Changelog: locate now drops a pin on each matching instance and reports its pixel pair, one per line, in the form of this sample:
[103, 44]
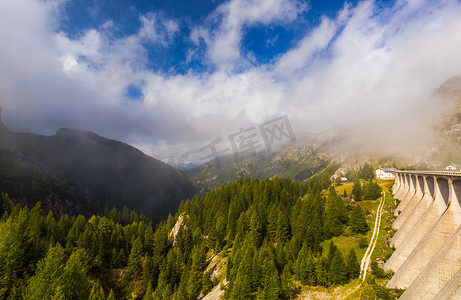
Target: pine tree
[111, 295]
[302, 269]
[353, 266]
[44, 284]
[207, 284]
[74, 282]
[242, 286]
[196, 271]
[272, 223]
[366, 172]
[321, 270]
[286, 283]
[147, 273]
[338, 269]
[97, 293]
[5, 204]
[332, 253]
[335, 215]
[59, 295]
[256, 228]
[18, 246]
[163, 289]
[311, 271]
[357, 191]
[358, 221]
[148, 293]
[273, 289]
[134, 261]
[181, 293]
[371, 190]
[283, 228]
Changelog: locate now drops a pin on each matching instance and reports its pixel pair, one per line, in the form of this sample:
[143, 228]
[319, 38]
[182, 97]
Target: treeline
[366, 172]
[275, 236]
[369, 191]
[271, 232]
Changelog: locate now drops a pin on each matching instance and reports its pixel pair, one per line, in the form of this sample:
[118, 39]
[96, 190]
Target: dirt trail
[374, 238]
[371, 246]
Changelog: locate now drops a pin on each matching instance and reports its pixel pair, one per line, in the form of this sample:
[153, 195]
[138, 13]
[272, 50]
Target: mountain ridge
[81, 171]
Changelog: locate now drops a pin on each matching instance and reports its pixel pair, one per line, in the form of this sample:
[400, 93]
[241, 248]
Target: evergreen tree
[74, 281]
[273, 288]
[366, 172]
[134, 261]
[338, 269]
[322, 270]
[147, 272]
[111, 295]
[353, 265]
[148, 293]
[5, 204]
[242, 286]
[283, 228]
[274, 237]
[286, 283]
[59, 295]
[311, 271]
[19, 247]
[43, 284]
[207, 284]
[196, 271]
[357, 191]
[335, 215]
[371, 190]
[272, 223]
[256, 228]
[331, 253]
[97, 293]
[358, 221]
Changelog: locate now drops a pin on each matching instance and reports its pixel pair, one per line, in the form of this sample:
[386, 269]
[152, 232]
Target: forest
[268, 233]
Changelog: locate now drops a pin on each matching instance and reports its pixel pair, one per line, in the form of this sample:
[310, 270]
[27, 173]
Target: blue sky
[170, 76]
[264, 42]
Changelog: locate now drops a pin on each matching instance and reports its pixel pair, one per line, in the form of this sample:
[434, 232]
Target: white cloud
[157, 29]
[224, 41]
[363, 68]
[314, 42]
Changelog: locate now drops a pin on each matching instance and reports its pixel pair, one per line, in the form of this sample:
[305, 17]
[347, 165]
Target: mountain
[341, 150]
[448, 128]
[76, 171]
[298, 161]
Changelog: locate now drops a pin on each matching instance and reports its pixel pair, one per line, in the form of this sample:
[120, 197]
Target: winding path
[374, 238]
[371, 246]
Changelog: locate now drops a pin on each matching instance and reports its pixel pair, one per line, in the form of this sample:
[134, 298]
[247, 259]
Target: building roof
[392, 170]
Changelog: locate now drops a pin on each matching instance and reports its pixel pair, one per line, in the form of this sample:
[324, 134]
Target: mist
[370, 70]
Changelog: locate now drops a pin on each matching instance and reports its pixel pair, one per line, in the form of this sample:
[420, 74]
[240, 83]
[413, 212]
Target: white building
[386, 173]
[450, 168]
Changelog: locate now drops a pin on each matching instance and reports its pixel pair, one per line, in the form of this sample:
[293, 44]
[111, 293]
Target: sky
[169, 77]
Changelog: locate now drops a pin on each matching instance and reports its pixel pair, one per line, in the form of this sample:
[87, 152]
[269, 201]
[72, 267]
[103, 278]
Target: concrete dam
[427, 259]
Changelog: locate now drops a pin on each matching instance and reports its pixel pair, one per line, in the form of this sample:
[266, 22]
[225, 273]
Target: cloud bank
[368, 67]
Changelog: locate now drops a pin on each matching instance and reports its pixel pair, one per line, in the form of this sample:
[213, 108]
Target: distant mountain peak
[450, 87]
[76, 133]
[80, 171]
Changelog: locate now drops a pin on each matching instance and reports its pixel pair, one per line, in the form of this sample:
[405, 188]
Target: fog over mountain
[170, 83]
[78, 172]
